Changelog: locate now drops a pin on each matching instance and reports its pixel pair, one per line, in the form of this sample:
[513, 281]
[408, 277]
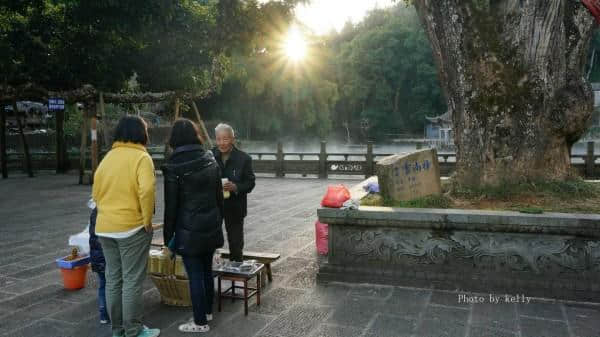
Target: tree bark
[513, 75]
[28, 166]
[3, 156]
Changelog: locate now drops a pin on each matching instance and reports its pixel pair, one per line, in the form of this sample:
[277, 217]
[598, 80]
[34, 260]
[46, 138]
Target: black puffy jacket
[193, 201]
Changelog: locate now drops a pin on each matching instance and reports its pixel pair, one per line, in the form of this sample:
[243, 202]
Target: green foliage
[73, 120]
[379, 73]
[171, 45]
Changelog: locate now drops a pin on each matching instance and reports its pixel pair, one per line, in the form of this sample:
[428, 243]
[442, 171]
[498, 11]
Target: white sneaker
[192, 327]
[209, 317]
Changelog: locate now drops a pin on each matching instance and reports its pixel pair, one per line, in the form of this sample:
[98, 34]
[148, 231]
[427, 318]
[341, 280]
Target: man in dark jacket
[236, 166]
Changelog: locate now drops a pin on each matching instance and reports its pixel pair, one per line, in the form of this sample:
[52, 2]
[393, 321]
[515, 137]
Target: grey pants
[126, 267]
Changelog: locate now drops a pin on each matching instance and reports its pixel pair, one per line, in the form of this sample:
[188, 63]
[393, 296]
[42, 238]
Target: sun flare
[295, 45]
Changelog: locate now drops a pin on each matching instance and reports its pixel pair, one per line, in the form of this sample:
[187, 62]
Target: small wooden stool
[239, 277]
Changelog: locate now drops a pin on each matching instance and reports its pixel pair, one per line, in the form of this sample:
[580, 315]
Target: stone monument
[409, 176]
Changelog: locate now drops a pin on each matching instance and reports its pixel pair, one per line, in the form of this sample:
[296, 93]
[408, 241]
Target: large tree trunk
[513, 75]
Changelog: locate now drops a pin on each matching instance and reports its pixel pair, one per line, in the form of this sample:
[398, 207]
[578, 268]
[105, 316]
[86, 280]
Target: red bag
[336, 196]
[322, 236]
[594, 7]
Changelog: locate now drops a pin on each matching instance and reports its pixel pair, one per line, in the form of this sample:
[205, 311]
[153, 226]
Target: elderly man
[236, 166]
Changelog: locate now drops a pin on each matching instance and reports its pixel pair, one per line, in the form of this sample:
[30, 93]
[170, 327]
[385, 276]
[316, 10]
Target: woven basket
[170, 279]
[173, 291]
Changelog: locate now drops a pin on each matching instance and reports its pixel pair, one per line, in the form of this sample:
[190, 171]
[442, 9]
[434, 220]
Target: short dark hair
[131, 129]
[184, 132]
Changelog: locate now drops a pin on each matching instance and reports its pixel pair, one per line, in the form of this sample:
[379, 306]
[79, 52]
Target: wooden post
[370, 169]
[205, 134]
[323, 161]
[589, 161]
[83, 146]
[24, 141]
[3, 156]
[279, 170]
[105, 141]
[177, 107]
[167, 151]
[61, 158]
[94, 139]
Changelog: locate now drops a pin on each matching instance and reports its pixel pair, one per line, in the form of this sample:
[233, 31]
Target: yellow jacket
[124, 188]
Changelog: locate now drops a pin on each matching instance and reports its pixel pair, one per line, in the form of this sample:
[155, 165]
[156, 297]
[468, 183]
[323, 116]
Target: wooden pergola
[94, 102]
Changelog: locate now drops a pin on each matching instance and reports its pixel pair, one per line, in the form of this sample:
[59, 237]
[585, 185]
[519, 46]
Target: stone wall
[545, 255]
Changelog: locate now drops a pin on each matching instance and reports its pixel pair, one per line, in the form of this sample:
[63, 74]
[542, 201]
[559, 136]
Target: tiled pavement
[37, 215]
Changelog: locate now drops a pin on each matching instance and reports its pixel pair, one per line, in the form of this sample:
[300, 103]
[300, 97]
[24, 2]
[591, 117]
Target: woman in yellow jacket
[124, 191]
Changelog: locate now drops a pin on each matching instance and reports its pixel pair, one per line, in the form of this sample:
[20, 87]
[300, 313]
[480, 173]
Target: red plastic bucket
[74, 279]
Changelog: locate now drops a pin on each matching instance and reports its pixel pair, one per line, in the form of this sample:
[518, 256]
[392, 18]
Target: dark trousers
[202, 286]
[102, 296]
[235, 237]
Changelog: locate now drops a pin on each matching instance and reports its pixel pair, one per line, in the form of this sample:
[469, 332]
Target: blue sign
[56, 104]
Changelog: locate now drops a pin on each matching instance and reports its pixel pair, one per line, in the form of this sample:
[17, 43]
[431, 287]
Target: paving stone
[537, 327]
[538, 309]
[446, 314]
[7, 256]
[448, 299]
[277, 301]
[76, 312]
[23, 286]
[6, 296]
[584, 320]
[91, 327]
[309, 252]
[356, 312]
[327, 330]
[44, 328]
[408, 303]
[77, 296]
[501, 316]
[290, 266]
[391, 326]
[31, 272]
[327, 294]
[377, 292]
[297, 322]
[304, 279]
[29, 298]
[6, 281]
[429, 328]
[237, 326]
[477, 331]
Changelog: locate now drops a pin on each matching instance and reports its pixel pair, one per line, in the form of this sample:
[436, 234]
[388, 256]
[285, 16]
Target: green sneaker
[147, 332]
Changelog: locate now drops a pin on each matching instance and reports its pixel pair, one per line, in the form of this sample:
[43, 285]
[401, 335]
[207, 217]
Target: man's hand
[148, 228]
[230, 187]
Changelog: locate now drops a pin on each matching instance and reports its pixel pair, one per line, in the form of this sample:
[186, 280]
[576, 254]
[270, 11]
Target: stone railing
[321, 164]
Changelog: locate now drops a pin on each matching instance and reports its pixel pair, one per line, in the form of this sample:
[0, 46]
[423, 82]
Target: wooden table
[264, 258]
[234, 277]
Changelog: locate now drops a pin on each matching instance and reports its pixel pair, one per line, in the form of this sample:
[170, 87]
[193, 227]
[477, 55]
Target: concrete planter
[543, 255]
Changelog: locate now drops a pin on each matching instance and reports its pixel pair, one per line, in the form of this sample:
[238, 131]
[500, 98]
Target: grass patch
[569, 189]
[534, 197]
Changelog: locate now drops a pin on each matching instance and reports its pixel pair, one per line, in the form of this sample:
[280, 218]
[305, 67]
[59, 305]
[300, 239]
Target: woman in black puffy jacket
[193, 215]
